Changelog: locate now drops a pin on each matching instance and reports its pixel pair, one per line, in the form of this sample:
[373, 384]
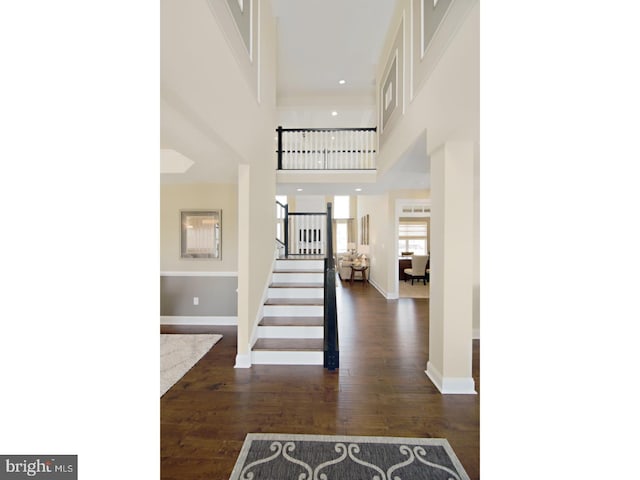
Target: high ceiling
[319, 43]
[323, 41]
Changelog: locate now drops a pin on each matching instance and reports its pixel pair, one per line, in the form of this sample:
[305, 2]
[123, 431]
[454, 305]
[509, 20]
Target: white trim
[410, 55]
[258, 53]
[393, 59]
[243, 361]
[290, 331]
[375, 285]
[250, 31]
[279, 357]
[260, 312]
[197, 320]
[423, 47]
[450, 385]
[404, 61]
[400, 203]
[198, 274]
[476, 334]
[254, 336]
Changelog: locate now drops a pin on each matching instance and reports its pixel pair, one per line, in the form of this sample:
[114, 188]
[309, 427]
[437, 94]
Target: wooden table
[363, 272]
[403, 263]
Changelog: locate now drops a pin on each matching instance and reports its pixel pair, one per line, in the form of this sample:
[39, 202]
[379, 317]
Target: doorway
[412, 232]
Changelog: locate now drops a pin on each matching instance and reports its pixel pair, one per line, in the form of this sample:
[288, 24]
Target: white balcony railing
[327, 148]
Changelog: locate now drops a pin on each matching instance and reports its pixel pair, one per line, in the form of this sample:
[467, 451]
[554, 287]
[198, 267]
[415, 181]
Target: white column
[243, 358]
[452, 262]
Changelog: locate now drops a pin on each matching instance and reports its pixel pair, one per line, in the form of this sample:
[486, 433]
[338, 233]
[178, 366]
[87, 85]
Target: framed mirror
[201, 234]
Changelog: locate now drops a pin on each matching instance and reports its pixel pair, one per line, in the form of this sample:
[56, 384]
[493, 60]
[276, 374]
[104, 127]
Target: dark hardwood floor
[380, 389]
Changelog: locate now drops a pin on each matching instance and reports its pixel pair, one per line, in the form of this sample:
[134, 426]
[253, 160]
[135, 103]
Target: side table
[363, 272]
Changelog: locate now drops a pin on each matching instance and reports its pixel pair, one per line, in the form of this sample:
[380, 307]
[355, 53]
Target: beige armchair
[343, 265]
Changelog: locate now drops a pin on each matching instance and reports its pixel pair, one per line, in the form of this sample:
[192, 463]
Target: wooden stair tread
[289, 344]
[295, 301]
[292, 321]
[296, 285]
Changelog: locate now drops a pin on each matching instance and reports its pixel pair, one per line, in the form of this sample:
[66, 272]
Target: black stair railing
[300, 233]
[309, 239]
[327, 148]
[331, 349]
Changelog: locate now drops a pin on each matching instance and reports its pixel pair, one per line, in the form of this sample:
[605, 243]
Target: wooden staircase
[291, 331]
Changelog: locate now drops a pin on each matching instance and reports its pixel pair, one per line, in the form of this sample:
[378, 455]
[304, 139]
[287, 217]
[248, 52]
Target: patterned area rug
[180, 352]
[311, 457]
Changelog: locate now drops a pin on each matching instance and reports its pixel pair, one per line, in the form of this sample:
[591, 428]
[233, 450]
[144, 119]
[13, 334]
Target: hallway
[381, 389]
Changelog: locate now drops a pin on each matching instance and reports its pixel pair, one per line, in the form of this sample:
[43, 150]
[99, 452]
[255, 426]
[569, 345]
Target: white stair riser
[296, 292]
[299, 264]
[290, 332]
[282, 277]
[293, 310]
[272, 357]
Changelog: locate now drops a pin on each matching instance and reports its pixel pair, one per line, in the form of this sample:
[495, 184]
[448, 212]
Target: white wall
[256, 128]
[441, 96]
[220, 93]
[440, 90]
[174, 198]
[446, 102]
[310, 203]
[380, 237]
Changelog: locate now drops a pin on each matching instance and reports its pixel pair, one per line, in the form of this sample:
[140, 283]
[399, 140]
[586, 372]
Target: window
[341, 206]
[412, 237]
[342, 222]
[342, 237]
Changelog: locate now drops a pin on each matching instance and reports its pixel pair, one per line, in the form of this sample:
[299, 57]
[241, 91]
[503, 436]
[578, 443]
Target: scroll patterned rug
[179, 353]
[312, 457]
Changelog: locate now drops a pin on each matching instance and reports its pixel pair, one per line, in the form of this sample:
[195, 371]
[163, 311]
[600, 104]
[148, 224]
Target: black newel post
[279, 130]
[331, 348]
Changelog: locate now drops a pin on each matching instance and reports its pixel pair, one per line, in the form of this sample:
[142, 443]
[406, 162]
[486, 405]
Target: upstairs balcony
[327, 155]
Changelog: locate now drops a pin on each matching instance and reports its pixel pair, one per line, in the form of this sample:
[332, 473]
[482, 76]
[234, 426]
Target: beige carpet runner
[179, 353]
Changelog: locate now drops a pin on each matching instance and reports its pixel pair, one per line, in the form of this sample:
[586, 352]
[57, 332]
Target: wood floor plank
[292, 321]
[380, 389]
[294, 301]
[286, 344]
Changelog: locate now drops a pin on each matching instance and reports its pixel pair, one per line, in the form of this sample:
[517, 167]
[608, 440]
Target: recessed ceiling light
[342, 82]
[299, 189]
[358, 189]
[334, 113]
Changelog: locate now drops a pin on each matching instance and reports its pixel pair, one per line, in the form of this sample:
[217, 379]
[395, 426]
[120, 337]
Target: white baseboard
[243, 360]
[476, 334]
[197, 320]
[375, 285]
[450, 385]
